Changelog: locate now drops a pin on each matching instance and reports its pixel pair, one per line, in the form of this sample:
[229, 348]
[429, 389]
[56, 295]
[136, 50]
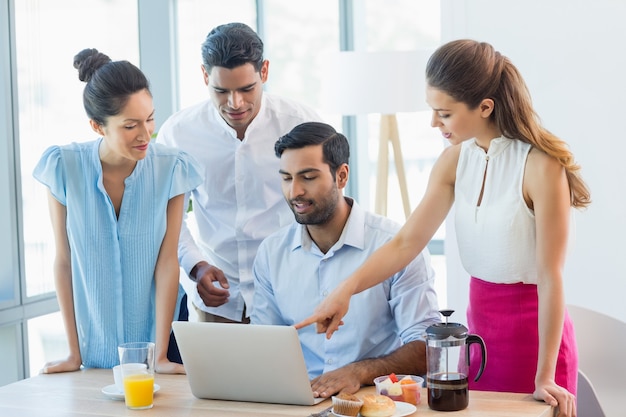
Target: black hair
[109, 83]
[232, 45]
[335, 146]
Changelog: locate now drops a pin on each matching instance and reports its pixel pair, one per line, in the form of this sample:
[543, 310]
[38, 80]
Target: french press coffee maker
[447, 358]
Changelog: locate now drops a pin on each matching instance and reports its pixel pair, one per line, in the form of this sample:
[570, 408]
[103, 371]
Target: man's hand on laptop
[344, 379]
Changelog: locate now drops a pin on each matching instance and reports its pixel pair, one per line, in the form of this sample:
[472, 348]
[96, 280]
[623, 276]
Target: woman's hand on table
[557, 396]
[166, 367]
[69, 364]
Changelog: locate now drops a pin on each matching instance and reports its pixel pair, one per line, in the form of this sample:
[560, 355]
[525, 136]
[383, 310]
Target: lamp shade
[375, 82]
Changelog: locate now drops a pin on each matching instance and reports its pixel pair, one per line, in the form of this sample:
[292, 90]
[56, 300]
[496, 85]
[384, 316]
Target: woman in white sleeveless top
[514, 184]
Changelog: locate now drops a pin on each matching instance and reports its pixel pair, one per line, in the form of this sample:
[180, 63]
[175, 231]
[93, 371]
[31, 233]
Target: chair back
[601, 341]
[587, 399]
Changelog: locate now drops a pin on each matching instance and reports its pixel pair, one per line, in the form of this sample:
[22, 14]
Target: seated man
[296, 267]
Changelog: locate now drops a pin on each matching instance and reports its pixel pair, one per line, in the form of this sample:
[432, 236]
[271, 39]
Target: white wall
[572, 55]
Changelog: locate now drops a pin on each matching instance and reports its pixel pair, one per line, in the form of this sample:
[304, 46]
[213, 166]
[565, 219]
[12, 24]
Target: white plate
[402, 409]
[112, 392]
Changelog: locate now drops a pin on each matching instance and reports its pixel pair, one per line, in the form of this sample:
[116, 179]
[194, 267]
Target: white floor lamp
[379, 82]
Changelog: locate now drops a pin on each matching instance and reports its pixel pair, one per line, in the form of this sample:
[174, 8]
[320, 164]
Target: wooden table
[79, 394]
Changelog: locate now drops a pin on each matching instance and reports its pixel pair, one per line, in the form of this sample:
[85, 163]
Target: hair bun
[88, 61]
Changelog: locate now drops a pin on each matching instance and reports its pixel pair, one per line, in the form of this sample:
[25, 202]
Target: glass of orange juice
[138, 380]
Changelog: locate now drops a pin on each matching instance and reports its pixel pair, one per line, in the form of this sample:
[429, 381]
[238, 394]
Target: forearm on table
[166, 280]
[65, 297]
[62, 269]
[408, 359]
[550, 321]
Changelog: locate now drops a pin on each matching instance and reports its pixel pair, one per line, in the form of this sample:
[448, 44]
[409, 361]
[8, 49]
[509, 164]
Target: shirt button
[329, 361]
[325, 293]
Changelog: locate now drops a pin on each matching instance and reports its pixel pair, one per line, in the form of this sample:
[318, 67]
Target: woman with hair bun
[116, 206]
[513, 184]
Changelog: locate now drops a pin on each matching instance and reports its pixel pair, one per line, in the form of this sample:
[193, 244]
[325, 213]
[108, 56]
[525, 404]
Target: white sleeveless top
[497, 240]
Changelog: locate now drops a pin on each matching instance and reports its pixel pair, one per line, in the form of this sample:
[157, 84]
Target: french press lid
[445, 330]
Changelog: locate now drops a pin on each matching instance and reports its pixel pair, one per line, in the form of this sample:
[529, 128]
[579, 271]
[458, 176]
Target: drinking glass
[138, 380]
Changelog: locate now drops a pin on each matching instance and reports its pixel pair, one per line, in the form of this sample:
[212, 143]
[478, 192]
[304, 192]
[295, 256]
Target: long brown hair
[470, 71]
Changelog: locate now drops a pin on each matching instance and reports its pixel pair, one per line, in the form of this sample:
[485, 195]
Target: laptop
[244, 362]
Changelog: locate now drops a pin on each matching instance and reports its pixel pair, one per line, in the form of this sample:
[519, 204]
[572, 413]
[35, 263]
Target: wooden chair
[601, 341]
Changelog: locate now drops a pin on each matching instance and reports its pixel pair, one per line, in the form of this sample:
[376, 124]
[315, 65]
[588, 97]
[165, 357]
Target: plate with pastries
[370, 405]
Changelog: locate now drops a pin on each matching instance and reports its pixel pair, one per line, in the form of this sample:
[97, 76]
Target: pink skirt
[506, 317]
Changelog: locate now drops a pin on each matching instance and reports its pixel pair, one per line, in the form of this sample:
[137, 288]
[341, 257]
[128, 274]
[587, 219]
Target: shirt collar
[353, 233]
[95, 155]
[259, 120]
[496, 146]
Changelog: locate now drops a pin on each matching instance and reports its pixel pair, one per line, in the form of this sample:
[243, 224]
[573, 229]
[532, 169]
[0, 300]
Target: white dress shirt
[240, 202]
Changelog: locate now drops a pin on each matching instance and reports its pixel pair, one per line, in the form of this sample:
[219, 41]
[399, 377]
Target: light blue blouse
[113, 259]
[292, 276]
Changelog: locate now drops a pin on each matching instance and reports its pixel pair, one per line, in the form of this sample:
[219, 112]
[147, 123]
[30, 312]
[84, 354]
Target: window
[297, 35]
[388, 29]
[195, 19]
[399, 26]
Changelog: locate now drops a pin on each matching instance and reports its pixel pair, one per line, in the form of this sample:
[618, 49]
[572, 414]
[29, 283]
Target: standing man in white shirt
[240, 203]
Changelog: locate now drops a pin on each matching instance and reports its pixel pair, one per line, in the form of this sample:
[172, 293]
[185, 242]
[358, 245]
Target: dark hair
[335, 147]
[109, 83]
[232, 45]
[471, 71]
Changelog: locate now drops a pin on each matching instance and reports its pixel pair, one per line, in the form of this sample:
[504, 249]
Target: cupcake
[346, 404]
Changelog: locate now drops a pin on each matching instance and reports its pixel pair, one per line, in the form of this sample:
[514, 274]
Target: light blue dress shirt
[113, 259]
[292, 276]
